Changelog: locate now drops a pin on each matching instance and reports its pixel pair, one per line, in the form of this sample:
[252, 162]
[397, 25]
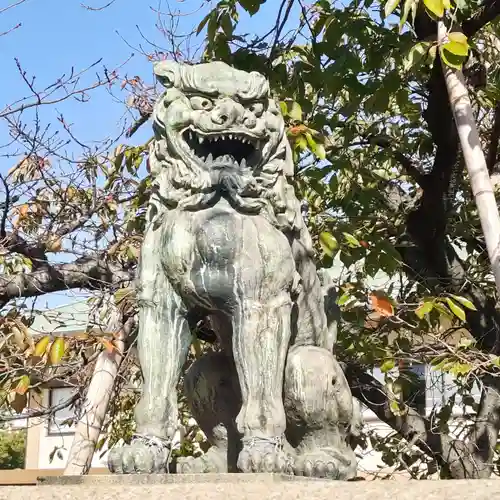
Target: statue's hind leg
[320, 414]
[212, 390]
[163, 341]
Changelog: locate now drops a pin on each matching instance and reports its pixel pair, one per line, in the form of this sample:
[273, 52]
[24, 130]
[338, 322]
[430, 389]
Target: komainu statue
[226, 242]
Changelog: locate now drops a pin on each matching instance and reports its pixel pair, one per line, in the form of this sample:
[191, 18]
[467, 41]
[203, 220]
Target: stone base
[156, 479]
[243, 486]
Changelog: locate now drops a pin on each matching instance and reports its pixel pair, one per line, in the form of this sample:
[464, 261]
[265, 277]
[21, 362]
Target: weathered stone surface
[136, 479]
[226, 245]
[252, 487]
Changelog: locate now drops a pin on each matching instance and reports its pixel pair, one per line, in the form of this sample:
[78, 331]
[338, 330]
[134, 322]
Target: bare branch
[44, 412]
[111, 2]
[86, 272]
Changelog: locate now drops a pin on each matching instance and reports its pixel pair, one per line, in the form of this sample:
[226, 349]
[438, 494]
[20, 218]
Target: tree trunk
[475, 160]
[96, 402]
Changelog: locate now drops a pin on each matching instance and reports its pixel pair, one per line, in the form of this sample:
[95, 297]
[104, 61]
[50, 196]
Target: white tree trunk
[475, 161]
[96, 404]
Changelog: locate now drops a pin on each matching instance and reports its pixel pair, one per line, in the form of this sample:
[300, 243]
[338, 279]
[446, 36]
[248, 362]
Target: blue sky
[57, 35]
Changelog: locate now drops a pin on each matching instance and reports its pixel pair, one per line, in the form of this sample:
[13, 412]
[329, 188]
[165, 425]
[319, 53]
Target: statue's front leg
[261, 334]
[163, 341]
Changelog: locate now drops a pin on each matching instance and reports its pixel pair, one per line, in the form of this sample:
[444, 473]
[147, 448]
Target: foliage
[382, 179]
[12, 449]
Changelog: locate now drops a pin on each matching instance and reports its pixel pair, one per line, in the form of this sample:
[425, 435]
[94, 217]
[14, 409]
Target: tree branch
[86, 272]
[484, 15]
[458, 459]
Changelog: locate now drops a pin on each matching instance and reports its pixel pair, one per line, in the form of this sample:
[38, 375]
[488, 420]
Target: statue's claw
[145, 455]
[264, 455]
[326, 464]
[214, 461]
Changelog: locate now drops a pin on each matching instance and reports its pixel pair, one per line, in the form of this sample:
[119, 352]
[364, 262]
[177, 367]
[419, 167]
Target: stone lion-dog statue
[226, 241]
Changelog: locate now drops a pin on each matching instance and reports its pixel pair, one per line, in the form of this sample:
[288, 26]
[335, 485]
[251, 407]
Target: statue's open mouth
[231, 149]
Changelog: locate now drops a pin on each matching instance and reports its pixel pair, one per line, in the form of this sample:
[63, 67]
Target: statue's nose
[227, 112]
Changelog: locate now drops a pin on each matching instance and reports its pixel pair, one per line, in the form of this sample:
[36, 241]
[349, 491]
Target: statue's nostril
[224, 118]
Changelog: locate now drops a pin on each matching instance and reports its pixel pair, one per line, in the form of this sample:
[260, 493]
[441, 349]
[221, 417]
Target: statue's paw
[139, 457]
[214, 461]
[264, 456]
[327, 464]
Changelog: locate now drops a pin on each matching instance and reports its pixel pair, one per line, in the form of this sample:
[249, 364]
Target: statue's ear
[167, 73]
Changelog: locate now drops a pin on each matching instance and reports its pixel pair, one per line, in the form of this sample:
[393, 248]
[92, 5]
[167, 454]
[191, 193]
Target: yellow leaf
[41, 346]
[457, 37]
[435, 6]
[424, 309]
[457, 44]
[110, 347]
[328, 243]
[57, 350]
[53, 244]
[23, 385]
[382, 305]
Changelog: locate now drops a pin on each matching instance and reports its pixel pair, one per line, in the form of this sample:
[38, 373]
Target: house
[49, 439]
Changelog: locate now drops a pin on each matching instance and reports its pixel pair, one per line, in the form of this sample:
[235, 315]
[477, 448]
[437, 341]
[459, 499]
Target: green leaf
[295, 112]
[435, 6]
[390, 6]
[416, 55]
[424, 309]
[204, 21]
[320, 151]
[458, 369]
[465, 302]
[452, 60]
[344, 298]
[456, 309]
[251, 6]
[351, 240]
[328, 243]
[387, 365]
[301, 142]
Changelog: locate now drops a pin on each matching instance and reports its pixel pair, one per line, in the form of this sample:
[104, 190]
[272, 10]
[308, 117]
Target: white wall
[57, 436]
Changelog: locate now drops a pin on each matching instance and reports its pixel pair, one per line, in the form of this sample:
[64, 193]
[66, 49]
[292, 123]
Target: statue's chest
[213, 249]
[212, 237]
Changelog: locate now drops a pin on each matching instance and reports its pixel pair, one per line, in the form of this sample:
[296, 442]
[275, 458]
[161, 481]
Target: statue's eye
[257, 108]
[199, 103]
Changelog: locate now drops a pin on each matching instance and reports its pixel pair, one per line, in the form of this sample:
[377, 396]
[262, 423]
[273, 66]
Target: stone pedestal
[244, 486]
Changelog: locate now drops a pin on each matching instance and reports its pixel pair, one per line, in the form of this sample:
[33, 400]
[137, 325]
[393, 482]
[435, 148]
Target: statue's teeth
[200, 139]
[210, 158]
[243, 163]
